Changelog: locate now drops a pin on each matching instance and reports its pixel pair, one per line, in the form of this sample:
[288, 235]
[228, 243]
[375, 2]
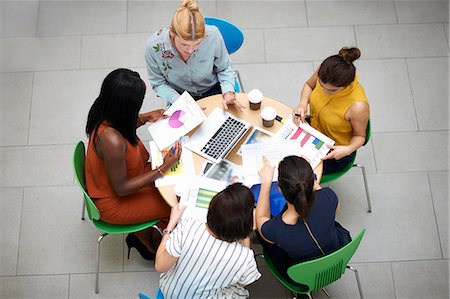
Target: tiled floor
[56, 53]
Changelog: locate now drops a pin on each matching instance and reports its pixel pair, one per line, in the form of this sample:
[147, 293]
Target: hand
[301, 111]
[152, 116]
[175, 215]
[266, 172]
[172, 156]
[229, 98]
[338, 152]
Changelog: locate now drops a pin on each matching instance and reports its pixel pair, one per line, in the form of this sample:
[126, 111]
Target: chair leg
[98, 261]
[83, 210]
[357, 280]
[158, 229]
[326, 292]
[239, 80]
[363, 169]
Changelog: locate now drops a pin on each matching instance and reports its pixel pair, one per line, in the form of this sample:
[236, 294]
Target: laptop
[218, 134]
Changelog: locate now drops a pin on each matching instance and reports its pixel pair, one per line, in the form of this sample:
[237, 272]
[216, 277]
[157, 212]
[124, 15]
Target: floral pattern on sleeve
[166, 55]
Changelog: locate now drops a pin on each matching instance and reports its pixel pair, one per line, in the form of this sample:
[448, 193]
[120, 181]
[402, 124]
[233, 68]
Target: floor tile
[415, 151]
[391, 41]
[252, 50]
[372, 275]
[66, 244]
[49, 287]
[114, 285]
[273, 14]
[422, 11]
[36, 165]
[81, 17]
[329, 13]
[429, 82]
[10, 212]
[48, 53]
[271, 79]
[287, 45]
[150, 16]
[387, 87]
[267, 286]
[16, 99]
[366, 158]
[77, 96]
[421, 279]
[439, 181]
[392, 231]
[113, 51]
[19, 18]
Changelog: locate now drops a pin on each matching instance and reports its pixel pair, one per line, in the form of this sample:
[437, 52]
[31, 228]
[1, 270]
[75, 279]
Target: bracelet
[166, 232]
[159, 171]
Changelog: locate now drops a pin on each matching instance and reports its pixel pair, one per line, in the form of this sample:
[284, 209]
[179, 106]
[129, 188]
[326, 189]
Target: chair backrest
[144, 296]
[159, 295]
[368, 132]
[79, 159]
[232, 35]
[319, 273]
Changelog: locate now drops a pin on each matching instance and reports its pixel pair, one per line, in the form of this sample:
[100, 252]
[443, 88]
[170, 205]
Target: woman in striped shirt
[211, 260]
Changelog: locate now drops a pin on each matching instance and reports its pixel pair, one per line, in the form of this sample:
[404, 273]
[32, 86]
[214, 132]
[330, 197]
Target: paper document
[225, 171]
[184, 115]
[314, 144]
[275, 151]
[197, 196]
[257, 135]
[177, 172]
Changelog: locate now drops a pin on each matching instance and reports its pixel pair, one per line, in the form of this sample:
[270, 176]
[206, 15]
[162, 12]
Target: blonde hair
[188, 22]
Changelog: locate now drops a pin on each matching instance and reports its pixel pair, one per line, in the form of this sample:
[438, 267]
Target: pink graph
[174, 120]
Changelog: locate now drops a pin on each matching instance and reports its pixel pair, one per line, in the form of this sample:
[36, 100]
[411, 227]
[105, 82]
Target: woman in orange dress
[118, 177]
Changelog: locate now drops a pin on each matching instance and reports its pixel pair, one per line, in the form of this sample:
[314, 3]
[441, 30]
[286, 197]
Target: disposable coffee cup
[268, 116]
[255, 98]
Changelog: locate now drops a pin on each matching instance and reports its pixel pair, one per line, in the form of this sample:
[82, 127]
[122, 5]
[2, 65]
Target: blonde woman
[189, 55]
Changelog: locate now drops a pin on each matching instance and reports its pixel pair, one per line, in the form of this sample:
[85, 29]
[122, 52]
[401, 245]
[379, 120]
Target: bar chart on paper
[204, 197]
[314, 145]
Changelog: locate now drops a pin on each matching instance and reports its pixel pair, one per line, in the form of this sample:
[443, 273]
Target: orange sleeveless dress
[142, 206]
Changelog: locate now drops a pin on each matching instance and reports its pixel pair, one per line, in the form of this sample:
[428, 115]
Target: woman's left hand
[152, 116]
[338, 152]
[229, 98]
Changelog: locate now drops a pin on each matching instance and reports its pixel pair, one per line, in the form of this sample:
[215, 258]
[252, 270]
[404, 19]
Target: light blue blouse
[170, 76]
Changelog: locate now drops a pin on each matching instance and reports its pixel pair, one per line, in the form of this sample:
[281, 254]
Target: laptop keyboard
[223, 137]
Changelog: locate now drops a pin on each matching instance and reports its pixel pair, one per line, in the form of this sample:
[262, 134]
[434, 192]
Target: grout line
[446, 36]
[20, 231]
[393, 279]
[354, 35]
[306, 13]
[31, 108]
[38, 18]
[412, 95]
[435, 216]
[396, 13]
[68, 289]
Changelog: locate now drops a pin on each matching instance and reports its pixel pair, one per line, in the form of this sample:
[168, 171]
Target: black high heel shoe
[133, 241]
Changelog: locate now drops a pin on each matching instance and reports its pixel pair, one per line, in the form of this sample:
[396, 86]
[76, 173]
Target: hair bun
[349, 54]
[190, 4]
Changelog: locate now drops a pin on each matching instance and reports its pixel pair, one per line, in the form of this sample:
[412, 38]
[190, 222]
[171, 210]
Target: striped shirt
[207, 267]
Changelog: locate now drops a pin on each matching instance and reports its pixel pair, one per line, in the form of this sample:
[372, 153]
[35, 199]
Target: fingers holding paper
[266, 172]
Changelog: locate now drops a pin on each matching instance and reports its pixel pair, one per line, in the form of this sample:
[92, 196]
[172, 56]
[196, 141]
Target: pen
[173, 150]
[306, 116]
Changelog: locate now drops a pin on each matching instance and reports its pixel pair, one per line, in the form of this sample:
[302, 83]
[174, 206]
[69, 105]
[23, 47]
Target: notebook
[218, 134]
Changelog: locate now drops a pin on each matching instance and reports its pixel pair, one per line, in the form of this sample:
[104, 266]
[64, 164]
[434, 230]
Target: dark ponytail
[296, 181]
[339, 70]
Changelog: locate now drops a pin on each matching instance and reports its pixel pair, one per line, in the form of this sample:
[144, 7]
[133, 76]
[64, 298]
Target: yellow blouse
[328, 110]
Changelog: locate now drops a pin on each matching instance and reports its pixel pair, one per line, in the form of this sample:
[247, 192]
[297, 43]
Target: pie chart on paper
[174, 120]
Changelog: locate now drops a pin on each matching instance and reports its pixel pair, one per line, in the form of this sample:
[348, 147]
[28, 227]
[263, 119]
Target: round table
[252, 116]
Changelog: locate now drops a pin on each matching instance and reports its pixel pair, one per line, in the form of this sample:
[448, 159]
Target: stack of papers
[184, 115]
[178, 172]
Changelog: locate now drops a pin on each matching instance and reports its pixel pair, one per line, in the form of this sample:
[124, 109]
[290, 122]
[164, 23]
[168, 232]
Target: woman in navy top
[285, 238]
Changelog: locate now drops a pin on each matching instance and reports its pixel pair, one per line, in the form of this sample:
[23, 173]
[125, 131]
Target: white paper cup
[255, 98]
[268, 116]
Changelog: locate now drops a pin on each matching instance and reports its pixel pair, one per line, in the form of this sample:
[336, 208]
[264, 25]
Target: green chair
[326, 178]
[79, 158]
[319, 273]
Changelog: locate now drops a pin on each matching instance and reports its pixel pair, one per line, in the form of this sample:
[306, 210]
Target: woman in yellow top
[338, 105]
